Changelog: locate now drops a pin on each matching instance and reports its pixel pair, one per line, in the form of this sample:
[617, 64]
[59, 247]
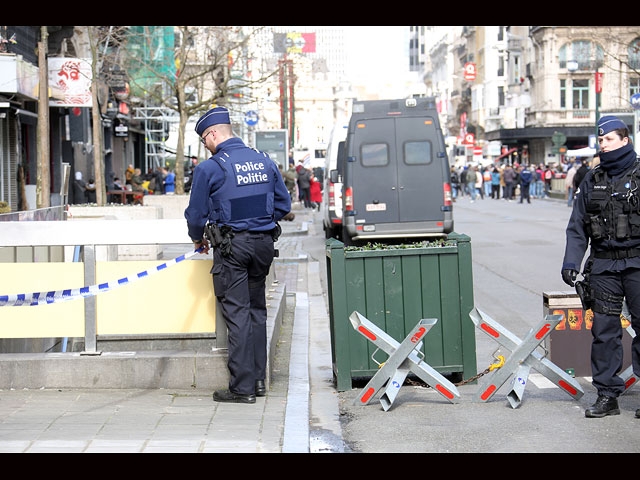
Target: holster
[219, 237]
[584, 292]
[583, 287]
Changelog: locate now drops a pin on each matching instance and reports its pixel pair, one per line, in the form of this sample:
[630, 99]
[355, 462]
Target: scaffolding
[157, 121]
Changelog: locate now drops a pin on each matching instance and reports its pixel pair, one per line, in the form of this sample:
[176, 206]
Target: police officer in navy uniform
[240, 191]
[606, 216]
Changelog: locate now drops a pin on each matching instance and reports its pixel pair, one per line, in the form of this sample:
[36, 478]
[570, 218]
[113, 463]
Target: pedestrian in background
[547, 176]
[169, 182]
[290, 180]
[539, 182]
[486, 181]
[612, 271]
[495, 183]
[568, 183]
[479, 181]
[525, 181]
[455, 182]
[509, 179]
[471, 183]
[241, 193]
[304, 184]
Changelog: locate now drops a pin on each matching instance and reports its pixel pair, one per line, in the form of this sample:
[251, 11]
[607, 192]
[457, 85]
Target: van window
[374, 155]
[417, 153]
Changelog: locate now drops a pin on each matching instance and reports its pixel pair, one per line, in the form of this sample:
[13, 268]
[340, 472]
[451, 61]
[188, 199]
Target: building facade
[531, 86]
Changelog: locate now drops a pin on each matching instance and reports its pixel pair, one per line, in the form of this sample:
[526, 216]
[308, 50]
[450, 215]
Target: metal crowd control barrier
[89, 234]
[627, 376]
[523, 357]
[403, 358]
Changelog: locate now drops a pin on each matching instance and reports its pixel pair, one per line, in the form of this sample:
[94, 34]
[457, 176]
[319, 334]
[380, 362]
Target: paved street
[517, 254]
[517, 250]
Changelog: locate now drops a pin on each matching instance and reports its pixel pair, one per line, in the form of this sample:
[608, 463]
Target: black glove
[569, 276]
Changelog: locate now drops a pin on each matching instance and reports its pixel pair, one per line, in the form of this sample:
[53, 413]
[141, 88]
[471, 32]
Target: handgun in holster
[219, 237]
[275, 233]
[583, 287]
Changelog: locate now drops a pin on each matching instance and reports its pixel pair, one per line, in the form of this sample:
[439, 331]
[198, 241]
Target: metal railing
[88, 235]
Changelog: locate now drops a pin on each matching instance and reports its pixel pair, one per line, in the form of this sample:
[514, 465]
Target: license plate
[376, 207]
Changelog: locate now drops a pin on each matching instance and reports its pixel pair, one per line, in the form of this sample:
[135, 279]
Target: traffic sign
[635, 101]
[251, 118]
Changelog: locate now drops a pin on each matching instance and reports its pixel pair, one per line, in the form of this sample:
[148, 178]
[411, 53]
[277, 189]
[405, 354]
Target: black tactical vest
[613, 207]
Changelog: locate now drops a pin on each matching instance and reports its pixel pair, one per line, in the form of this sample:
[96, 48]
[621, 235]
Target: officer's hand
[202, 243]
[569, 276]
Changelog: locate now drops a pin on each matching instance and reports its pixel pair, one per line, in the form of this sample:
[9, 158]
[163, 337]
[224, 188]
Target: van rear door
[420, 175]
[400, 177]
[375, 185]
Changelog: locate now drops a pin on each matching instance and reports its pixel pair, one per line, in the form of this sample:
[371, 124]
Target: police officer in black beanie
[240, 193]
[606, 217]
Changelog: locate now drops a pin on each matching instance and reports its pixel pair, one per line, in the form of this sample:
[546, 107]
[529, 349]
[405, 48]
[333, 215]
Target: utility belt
[219, 236]
[618, 253]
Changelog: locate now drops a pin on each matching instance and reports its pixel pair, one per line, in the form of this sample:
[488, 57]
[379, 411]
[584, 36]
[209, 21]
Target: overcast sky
[377, 53]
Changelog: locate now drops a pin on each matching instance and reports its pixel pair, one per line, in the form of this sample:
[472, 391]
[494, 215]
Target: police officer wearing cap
[240, 191]
[606, 217]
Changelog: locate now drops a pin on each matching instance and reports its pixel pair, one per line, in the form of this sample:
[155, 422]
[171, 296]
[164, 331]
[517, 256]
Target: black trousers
[606, 349]
[239, 284]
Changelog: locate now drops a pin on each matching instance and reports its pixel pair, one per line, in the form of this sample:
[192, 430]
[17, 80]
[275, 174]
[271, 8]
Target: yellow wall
[179, 299]
[64, 319]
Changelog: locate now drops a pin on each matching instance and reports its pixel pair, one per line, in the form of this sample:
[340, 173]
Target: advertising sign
[293, 42]
[70, 82]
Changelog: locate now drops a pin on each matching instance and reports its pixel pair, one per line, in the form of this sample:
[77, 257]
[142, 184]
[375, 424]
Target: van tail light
[447, 195]
[348, 199]
[332, 195]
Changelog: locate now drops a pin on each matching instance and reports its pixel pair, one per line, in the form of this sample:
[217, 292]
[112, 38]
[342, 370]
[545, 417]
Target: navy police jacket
[239, 187]
[578, 236]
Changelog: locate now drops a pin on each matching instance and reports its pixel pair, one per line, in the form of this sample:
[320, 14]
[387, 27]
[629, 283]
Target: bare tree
[204, 57]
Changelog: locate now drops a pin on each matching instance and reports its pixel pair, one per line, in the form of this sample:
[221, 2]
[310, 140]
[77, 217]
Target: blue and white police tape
[42, 298]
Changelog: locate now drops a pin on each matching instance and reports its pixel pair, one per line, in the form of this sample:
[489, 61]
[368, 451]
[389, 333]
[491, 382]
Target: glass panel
[417, 153]
[375, 155]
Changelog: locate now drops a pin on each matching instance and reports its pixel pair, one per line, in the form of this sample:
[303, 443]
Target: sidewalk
[187, 420]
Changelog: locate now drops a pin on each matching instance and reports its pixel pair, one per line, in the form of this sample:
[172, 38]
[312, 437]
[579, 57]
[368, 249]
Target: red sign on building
[469, 71]
[598, 82]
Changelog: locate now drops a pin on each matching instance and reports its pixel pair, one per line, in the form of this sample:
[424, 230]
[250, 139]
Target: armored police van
[396, 180]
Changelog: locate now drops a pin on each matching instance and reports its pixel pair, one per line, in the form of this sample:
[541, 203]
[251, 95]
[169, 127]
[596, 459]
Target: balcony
[18, 76]
[568, 118]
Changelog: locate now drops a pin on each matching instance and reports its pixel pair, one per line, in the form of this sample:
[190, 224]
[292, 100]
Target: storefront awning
[581, 152]
[508, 152]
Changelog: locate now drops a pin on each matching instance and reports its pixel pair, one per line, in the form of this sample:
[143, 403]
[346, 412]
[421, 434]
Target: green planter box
[395, 288]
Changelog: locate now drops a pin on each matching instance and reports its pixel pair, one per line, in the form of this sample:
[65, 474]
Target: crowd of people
[158, 181]
[518, 182]
[303, 183]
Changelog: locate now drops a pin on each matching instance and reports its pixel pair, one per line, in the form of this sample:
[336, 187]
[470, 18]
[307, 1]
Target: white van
[332, 192]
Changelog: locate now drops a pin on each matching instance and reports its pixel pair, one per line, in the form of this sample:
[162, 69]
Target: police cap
[609, 123]
[215, 116]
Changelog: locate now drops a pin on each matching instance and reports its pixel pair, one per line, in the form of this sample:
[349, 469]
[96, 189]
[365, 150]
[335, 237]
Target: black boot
[261, 390]
[229, 397]
[638, 413]
[604, 406]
